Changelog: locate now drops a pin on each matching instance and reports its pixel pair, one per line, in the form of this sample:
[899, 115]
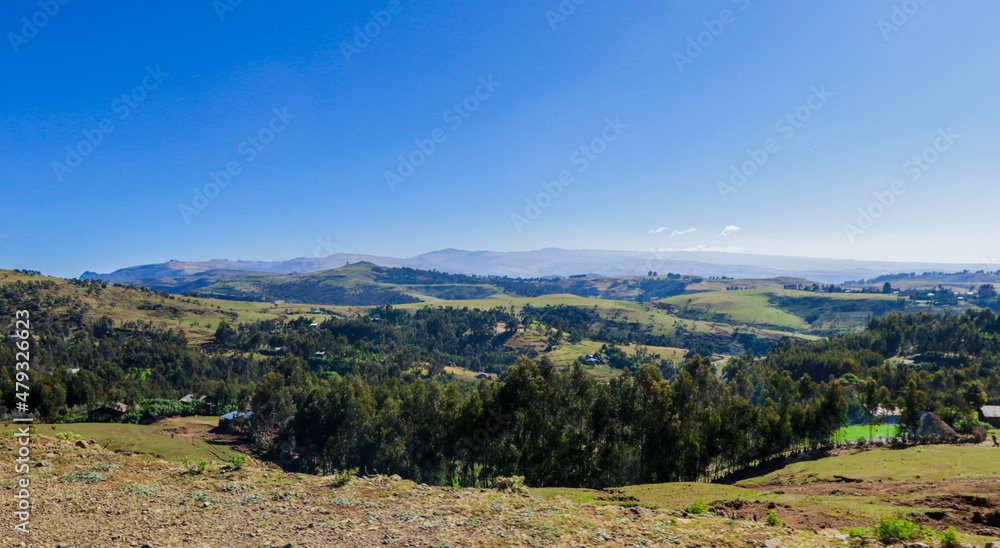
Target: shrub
[772, 519]
[890, 530]
[238, 461]
[343, 477]
[969, 424]
[697, 508]
[949, 538]
[855, 532]
[512, 483]
[69, 436]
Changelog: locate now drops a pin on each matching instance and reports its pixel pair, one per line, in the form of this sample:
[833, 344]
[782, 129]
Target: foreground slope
[92, 497]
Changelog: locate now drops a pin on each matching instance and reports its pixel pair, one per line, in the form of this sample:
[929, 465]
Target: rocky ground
[91, 497]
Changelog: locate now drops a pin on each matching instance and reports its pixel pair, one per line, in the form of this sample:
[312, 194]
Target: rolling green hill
[76, 302]
[790, 310]
[367, 284]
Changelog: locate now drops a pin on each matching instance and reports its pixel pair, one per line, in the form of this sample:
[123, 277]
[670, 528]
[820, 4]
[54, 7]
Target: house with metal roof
[990, 414]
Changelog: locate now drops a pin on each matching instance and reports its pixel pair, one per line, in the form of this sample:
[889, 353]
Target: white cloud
[729, 230]
[658, 230]
[703, 247]
[665, 250]
[682, 232]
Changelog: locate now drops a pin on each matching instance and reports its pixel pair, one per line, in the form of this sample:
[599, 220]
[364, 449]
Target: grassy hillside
[960, 282]
[365, 283]
[95, 497]
[936, 486]
[196, 317]
[794, 310]
[349, 285]
[659, 319]
[171, 439]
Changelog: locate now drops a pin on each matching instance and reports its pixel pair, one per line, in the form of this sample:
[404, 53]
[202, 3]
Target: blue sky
[663, 121]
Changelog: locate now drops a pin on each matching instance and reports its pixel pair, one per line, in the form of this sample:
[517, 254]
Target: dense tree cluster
[553, 427]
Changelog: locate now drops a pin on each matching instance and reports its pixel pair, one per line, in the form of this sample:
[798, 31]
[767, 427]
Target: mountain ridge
[557, 262]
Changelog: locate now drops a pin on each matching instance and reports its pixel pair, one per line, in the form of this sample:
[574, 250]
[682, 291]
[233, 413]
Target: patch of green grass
[927, 462]
[748, 307]
[149, 439]
[669, 496]
[864, 432]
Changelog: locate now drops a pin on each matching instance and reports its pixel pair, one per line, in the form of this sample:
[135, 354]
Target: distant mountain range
[542, 263]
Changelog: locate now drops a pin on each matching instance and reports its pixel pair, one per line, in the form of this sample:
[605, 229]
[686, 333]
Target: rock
[642, 512]
[992, 545]
[204, 505]
[772, 543]
[917, 545]
[842, 537]
[81, 444]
